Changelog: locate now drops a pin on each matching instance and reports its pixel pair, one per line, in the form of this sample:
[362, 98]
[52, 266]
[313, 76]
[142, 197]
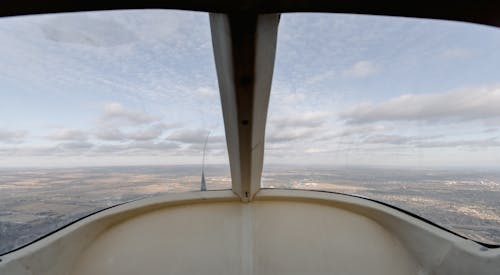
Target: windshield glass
[405, 111]
[100, 108]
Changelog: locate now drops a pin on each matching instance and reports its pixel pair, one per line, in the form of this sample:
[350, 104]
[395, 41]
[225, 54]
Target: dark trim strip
[478, 11]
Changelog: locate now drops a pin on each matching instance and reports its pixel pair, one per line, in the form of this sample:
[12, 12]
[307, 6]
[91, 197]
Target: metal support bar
[244, 49]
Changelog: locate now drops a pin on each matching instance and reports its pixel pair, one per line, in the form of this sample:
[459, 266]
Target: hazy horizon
[35, 202]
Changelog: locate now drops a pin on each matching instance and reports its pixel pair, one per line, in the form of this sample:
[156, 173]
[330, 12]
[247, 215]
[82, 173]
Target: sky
[108, 88]
[373, 90]
[139, 87]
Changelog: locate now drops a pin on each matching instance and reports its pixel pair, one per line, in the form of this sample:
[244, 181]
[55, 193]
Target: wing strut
[244, 50]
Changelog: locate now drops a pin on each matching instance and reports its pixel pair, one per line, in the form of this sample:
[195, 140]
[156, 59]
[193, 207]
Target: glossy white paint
[281, 232]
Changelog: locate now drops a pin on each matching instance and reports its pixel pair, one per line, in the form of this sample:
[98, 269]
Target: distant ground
[464, 201]
[34, 202]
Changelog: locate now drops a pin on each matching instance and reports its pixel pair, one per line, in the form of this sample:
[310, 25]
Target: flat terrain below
[35, 202]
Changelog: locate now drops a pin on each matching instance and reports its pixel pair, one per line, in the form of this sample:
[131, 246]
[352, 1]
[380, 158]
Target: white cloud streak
[362, 129]
[462, 105]
[115, 113]
[361, 69]
[17, 136]
[288, 135]
[68, 134]
[206, 91]
[194, 136]
[457, 53]
[306, 120]
[141, 134]
[298, 126]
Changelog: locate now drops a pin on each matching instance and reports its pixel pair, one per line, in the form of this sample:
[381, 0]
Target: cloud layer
[8, 136]
[463, 105]
[362, 69]
[143, 83]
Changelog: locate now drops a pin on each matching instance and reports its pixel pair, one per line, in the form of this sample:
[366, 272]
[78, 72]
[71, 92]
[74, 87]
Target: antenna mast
[203, 183]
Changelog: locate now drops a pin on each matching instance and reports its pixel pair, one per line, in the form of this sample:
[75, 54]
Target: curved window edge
[411, 214]
[72, 222]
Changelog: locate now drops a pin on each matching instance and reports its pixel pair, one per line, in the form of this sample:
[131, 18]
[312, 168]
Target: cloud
[86, 30]
[325, 75]
[197, 148]
[351, 132]
[68, 134]
[78, 148]
[115, 113]
[480, 143]
[120, 124]
[390, 139]
[110, 134]
[362, 129]
[456, 53]
[490, 130]
[430, 141]
[316, 150]
[149, 133]
[72, 148]
[206, 91]
[188, 136]
[194, 136]
[17, 136]
[75, 146]
[137, 148]
[114, 54]
[296, 126]
[361, 69]
[305, 120]
[292, 98]
[144, 133]
[462, 105]
[288, 135]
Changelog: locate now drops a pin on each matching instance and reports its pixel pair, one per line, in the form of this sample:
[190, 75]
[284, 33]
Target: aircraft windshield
[101, 108]
[404, 111]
